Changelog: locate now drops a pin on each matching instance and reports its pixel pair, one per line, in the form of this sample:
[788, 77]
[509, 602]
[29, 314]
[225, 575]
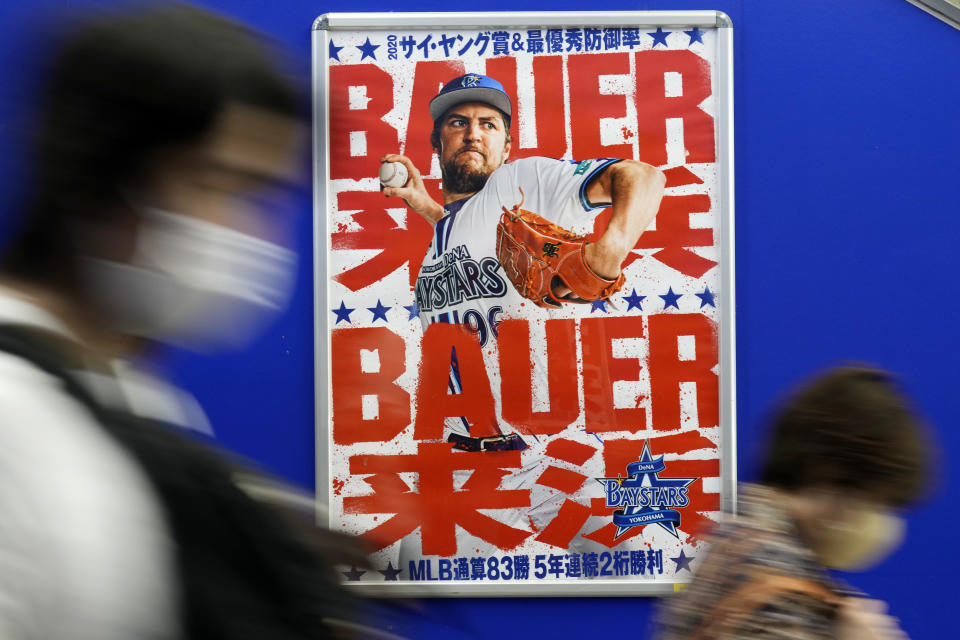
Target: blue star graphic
[413, 310]
[660, 37]
[354, 574]
[650, 479]
[390, 573]
[682, 562]
[368, 49]
[379, 311]
[598, 304]
[706, 298]
[343, 313]
[670, 299]
[695, 36]
[633, 300]
[335, 51]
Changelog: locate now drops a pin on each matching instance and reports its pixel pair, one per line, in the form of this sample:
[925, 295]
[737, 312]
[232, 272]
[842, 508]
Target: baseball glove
[540, 257]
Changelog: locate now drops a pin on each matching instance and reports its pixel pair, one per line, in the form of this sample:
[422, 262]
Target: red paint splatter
[565, 525]
[532, 524]
[679, 176]
[564, 480]
[570, 451]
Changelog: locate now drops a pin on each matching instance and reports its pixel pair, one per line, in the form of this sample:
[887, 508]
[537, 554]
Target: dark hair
[438, 123]
[850, 428]
[121, 88]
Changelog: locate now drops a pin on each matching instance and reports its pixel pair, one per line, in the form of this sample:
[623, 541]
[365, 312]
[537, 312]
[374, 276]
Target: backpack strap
[245, 571]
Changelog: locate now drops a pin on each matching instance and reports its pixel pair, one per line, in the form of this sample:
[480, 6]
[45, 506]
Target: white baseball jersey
[461, 281]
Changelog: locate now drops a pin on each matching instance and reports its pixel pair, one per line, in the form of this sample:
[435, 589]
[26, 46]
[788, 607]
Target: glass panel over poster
[497, 411]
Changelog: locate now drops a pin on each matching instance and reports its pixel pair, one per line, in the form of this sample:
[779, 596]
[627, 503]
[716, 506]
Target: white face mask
[864, 538]
[193, 283]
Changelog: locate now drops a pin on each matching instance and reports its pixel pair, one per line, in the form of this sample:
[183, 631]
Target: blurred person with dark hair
[166, 141]
[846, 454]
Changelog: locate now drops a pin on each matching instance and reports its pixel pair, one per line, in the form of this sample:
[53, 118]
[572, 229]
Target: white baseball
[393, 174]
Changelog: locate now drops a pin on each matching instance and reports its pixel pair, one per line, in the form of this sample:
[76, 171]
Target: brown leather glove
[541, 258]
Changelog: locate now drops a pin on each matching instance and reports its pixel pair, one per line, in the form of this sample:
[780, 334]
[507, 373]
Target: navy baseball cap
[471, 87]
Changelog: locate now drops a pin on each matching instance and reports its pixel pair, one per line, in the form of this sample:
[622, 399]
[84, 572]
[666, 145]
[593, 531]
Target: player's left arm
[634, 190]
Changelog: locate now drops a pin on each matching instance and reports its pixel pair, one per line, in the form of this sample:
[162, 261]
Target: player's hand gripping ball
[393, 174]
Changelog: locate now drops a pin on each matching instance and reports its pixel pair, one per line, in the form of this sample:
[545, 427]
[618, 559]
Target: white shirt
[85, 551]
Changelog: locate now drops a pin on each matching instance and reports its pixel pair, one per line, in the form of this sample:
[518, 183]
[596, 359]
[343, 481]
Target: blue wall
[847, 138]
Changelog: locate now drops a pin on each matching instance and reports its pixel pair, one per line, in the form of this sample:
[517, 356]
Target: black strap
[245, 572]
[506, 442]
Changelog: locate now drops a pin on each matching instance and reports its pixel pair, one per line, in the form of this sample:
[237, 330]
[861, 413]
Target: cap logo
[469, 80]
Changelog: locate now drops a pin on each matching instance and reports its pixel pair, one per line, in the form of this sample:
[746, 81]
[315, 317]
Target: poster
[482, 442]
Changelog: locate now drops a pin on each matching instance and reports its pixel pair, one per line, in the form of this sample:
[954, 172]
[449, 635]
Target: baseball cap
[471, 87]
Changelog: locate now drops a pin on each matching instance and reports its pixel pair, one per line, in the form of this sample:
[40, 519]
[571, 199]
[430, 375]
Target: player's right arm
[634, 190]
[414, 193]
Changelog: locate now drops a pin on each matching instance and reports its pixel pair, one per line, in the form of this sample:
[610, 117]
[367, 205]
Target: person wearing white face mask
[846, 454]
[166, 140]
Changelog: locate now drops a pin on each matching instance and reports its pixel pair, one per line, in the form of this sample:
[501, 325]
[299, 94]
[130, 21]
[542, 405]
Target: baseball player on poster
[502, 235]
[502, 240]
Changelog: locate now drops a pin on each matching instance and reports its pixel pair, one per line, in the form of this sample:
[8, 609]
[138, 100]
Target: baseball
[393, 174]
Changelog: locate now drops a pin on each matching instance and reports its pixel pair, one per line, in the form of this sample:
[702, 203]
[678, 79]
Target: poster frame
[328, 24]
[946, 10]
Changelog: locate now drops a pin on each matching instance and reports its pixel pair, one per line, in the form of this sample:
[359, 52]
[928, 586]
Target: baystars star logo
[644, 497]
[470, 80]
